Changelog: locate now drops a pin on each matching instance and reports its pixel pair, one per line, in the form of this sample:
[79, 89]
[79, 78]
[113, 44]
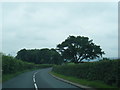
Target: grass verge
[94, 84]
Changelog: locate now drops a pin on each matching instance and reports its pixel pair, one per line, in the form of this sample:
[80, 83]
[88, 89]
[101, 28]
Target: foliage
[40, 56]
[94, 84]
[78, 48]
[12, 65]
[107, 71]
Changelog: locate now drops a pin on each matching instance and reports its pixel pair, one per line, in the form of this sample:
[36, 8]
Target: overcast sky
[44, 25]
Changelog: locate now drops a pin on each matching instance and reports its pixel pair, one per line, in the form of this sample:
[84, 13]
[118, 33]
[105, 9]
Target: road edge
[72, 83]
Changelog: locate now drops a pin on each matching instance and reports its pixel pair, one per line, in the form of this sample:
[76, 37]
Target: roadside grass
[93, 84]
[70, 63]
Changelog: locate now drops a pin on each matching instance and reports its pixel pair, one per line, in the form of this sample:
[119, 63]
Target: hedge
[107, 71]
[13, 65]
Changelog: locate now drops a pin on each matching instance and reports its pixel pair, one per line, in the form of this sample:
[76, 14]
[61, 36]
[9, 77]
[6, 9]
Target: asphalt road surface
[36, 79]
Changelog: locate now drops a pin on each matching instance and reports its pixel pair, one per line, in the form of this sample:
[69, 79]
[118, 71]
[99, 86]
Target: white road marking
[35, 81]
[35, 86]
[33, 76]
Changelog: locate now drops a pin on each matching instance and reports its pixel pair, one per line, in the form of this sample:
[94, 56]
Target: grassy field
[94, 84]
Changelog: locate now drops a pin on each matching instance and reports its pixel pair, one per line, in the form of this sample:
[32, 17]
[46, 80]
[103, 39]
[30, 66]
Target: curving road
[35, 80]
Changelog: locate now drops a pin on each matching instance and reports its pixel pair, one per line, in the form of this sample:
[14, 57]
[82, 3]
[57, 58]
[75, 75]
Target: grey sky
[0, 42]
[44, 25]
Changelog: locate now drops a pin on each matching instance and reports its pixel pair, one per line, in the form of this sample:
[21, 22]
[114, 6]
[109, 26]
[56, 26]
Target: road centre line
[33, 76]
[35, 81]
[35, 86]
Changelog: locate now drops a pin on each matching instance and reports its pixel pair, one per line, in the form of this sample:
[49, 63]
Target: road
[35, 80]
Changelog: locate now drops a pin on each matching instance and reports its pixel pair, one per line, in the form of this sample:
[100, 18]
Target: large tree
[79, 48]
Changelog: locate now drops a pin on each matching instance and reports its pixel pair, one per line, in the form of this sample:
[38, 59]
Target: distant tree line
[73, 49]
[40, 56]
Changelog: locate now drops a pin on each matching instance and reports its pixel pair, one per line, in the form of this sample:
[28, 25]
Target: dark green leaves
[40, 56]
[78, 48]
[104, 70]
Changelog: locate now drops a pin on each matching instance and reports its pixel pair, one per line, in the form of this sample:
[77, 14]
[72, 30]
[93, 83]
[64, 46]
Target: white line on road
[33, 76]
[35, 81]
[35, 86]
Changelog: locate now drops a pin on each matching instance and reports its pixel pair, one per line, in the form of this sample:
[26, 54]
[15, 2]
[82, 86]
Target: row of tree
[73, 49]
[40, 56]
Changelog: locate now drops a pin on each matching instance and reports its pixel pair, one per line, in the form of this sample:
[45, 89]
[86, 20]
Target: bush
[107, 71]
[13, 65]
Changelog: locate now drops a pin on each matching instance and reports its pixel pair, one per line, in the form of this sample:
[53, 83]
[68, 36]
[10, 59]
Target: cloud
[0, 27]
[38, 25]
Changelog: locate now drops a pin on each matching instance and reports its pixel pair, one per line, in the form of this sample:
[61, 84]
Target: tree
[40, 56]
[78, 48]
[22, 54]
[44, 56]
[55, 57]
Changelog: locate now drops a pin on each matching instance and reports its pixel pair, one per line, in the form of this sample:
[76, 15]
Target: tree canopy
[79, 48]
[74, 48]
[40, 56]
